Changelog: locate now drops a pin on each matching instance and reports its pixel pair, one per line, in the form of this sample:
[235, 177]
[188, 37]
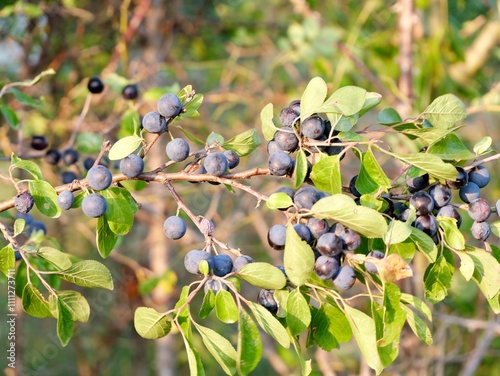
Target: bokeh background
[241, 55]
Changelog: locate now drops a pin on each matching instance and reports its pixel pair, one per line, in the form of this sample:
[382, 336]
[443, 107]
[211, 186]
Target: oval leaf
[326, 175]
[249, 344]
[279, 200]
[343, 209]
[266, 118]
[88, 273]
[45, 197]
[445, 111]
[244, 143]
[57, 258]
[298, 315]
[34, 304]
[313, 97]
[270, 324]
[225, 307]
[151, 324]
[124, 147]
[298, 257]
[263, 275]
[220, 348]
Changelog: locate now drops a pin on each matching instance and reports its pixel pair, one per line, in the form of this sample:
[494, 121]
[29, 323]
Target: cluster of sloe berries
[315, 133]
[431, 200]
[329, 241]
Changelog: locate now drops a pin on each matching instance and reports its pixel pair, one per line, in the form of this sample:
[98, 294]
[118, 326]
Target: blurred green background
[241, 55]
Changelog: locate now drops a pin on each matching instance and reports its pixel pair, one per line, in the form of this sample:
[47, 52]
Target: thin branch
[79, 124]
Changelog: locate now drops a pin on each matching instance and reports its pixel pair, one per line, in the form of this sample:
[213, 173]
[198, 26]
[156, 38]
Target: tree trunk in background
[157, 243]
[405, 60]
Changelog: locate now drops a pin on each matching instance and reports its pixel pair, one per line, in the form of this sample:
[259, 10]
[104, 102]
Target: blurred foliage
[240, 55]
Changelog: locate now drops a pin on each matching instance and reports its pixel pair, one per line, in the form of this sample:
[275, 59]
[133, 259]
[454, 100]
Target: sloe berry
[317, 227]
[241, 261]
[418, 183]
[178, 149]
[95, 85]
[68, 177]
[441, 195]
[216, 164]
[313, 127]
[215, 285]
[326, 267]
[469, 192]
[65, 199]
[169, 105]
[222, 264]
[479, 210]
[422, 202]
[346, 278]
[329, 244]
[69, 156]
[450, 212]
[132, 166]
[480, 230]
[153, 122]
[193, 258]
[39, 142]
[233, 159]
[280, 163]
[350, 239]
[288, 116]
[130, 91]
[461, 179]
[52, 156]
[480, 175]
[94, 205]
[276, 237]
[286, 139]
[370, 266]
[266, 299]
[174, 227]
[426, 223]
[303, 232]
[99, 178]
[24, 202]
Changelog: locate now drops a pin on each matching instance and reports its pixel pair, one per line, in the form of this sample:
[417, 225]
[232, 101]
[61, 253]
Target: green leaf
[428, 135]
[208, 304]
[243, 143]
[363, 329]
[437, 280]
[215, 137]
[342, 124]
[394, 317]
[121, 209]
[445, 111]
[430, 163]
[19, 226]
[105, 238]
[298, 315]
[124, 147]
[151, 324]
[389, 116]
[191, 108]
[452, 234]
[225, 307]
[270, 324]
[495, 228]
[129, 123]
[34, 304]
[300, 172]
[371, 177]
[57, 258]
[326, 175]
[191, 137]
[405, 249]
[424, 244]
[343, 209]
[398, 232]
[89, 142]
[28, 166]
[74, 303]
[466, 265]
[249, 344]
[194, 360]
[418, 304]
[330, 327]
[220, 348]
[7, 261]
[64, 322]
[483, 145]
[183, 315]
[298, 257]
[451, 148]
[348, 99]
[418, 326]
[88, 273]
[263, 275]
[266, 118]
[371, 100]
[487, 271]
[10, 116]
[313, 97]
[279, 200]
[25, 99]
[45, 197]
[281, 297]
